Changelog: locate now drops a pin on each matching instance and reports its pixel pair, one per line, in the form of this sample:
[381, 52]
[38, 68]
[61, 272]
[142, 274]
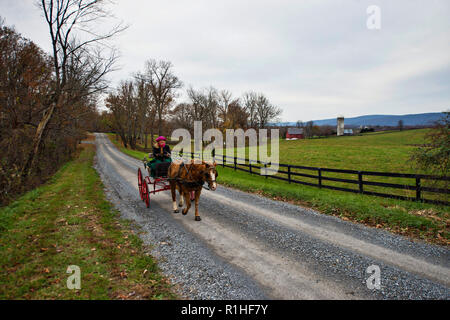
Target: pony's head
[210, 175]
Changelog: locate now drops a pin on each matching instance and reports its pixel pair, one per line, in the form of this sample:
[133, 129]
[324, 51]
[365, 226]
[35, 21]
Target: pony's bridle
[209, 184]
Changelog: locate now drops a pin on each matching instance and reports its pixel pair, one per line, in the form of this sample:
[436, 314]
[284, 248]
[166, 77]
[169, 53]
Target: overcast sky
[314, 59]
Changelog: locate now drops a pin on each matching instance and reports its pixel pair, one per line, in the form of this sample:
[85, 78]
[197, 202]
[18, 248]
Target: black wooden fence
[286, 173]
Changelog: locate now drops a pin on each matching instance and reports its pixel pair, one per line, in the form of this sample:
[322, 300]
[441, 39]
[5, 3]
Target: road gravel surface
[251, 247]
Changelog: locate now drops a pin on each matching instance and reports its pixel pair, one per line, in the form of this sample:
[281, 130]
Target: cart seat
[162, 169]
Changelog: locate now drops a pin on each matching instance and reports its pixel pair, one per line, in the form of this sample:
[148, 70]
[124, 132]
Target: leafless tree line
[145, 105]
[47, 100]
[311, 130]
[219, 109]
[138, 107]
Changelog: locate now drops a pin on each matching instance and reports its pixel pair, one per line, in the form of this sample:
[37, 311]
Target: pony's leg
[174, 197]
[187, 198]
[181, 200]
[197, 198]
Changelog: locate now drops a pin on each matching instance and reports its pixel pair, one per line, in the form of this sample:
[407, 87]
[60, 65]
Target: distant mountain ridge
[419, 119]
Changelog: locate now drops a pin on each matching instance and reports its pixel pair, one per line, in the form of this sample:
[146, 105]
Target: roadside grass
[427, 222]
[67, 222]
[416, 220]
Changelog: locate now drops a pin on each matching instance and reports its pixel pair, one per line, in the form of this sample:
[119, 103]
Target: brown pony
[188, 179]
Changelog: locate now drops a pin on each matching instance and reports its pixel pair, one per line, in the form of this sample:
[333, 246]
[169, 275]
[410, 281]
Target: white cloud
[315, 59]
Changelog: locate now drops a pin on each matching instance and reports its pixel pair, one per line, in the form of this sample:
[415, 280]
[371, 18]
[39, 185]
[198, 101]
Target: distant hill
[381, 120]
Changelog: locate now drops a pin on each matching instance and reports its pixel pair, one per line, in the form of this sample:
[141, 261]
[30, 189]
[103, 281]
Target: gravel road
[251, 247]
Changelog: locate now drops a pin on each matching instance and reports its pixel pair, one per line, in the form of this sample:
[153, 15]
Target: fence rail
[254, 167]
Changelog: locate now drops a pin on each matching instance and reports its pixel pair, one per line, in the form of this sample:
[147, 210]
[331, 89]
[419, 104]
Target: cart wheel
[140, 183]
[146, 193]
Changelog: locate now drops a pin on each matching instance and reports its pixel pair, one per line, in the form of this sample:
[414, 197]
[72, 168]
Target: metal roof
[295, 130]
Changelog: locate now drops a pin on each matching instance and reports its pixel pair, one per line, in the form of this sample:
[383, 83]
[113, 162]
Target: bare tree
[309, 129]
[132, 112]
[249, 103]
[182, 115]
[146, 109]
[224, 101]
[265, 111]
[69, 21]
[25, 75]
[259, 109]
[116, 102]
[163, 84]
[237, 116]
[199, 105]
[205, 106]
[212, 107]
[27, 87]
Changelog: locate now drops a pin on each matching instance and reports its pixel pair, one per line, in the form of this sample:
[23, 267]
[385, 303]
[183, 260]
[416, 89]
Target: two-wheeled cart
[148, 185]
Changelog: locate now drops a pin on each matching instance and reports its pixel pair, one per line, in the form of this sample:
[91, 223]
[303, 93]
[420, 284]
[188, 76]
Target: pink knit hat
[160, 138]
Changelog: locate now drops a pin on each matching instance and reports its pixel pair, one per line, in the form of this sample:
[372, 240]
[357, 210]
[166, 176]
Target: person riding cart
[161, 154]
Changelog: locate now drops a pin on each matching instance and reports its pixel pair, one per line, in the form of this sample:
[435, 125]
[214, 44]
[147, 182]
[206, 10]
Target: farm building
[348, 132]
[294, 133]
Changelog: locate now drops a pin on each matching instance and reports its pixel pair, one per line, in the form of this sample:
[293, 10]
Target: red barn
[294, 133]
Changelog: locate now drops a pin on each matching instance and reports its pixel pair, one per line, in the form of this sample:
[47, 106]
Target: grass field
[370, 152]
[69, 222]
[418, 220]
[379, 151]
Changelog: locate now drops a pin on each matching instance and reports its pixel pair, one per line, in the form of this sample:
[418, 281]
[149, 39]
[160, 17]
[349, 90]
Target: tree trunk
[159, 125]
[145, 138]
[37, 141]
[133, 142]
[124, 140]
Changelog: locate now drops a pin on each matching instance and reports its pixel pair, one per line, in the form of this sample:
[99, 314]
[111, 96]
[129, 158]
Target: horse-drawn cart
[188, 178]
[148, 185]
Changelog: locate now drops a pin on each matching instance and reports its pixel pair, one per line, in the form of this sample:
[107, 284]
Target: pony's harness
[189, 184]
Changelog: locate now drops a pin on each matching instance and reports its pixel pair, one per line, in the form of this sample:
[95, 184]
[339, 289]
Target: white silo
[340, 126]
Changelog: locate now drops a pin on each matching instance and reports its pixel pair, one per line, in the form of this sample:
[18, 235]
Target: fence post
[265, 169]
[360, 182]
[223, 160]
[235, 163]
[289, 173]
[320, 177]
[418, 189]
[192, 155]
[250, 166]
